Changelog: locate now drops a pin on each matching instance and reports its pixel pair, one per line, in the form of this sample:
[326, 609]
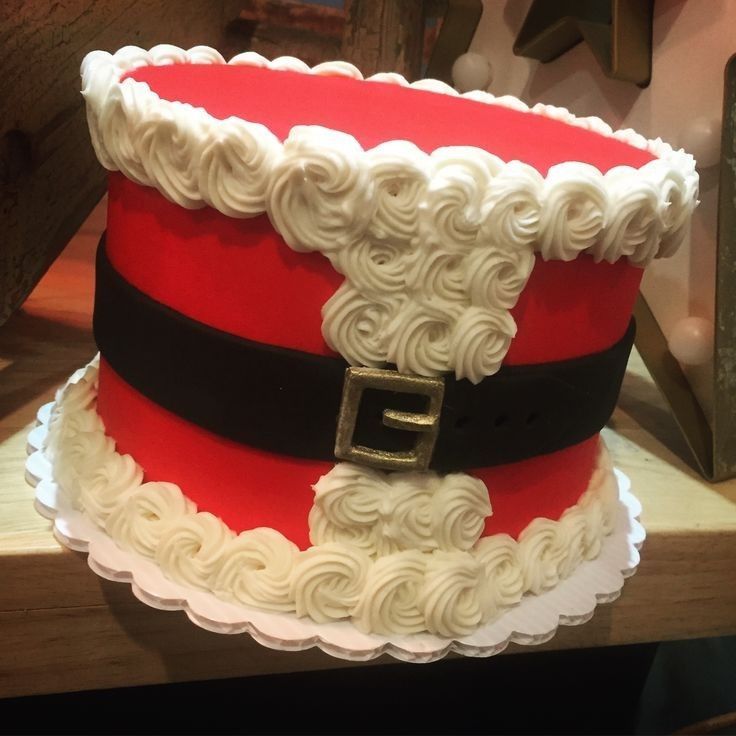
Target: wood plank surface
[63, 628]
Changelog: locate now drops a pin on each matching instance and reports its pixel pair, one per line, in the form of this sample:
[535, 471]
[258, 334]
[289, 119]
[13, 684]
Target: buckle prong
[425, 425]
[408, 420]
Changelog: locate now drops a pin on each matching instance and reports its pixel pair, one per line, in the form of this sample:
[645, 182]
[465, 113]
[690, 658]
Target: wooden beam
[385, 35]
[49, 177]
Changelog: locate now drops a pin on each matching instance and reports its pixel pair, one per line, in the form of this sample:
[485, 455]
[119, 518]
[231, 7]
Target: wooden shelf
[63, 628]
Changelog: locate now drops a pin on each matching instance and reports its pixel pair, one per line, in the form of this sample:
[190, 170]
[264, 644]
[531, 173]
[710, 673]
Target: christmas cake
[358, 337]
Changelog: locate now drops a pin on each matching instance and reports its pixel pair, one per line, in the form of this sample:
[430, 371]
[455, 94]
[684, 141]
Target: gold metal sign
[426, 425]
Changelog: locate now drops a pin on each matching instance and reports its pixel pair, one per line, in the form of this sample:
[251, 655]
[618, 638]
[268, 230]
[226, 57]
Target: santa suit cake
[357, 337]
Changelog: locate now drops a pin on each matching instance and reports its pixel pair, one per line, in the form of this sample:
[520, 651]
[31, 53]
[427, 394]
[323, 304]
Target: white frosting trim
[162, 144]
[436, 248]
[401, 588]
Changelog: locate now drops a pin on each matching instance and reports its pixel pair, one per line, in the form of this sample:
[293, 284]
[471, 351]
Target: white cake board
[533, 621]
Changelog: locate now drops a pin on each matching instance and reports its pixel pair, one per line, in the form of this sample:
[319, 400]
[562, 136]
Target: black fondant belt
[288, 402]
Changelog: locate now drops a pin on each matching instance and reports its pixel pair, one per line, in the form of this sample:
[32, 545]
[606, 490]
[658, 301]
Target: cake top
[429, 114]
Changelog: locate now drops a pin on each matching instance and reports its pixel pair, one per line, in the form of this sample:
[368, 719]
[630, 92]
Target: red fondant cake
[358, 337]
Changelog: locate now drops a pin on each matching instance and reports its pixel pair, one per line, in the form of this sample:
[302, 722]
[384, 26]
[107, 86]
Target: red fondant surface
[249, 488]
[239, 276]
[374, 113]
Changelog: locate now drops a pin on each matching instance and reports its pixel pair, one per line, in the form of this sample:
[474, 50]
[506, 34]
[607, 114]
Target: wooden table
[63, 628]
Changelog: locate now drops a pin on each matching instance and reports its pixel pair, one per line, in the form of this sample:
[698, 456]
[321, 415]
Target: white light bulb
[701, 137]
[691, 341]
[471, 71]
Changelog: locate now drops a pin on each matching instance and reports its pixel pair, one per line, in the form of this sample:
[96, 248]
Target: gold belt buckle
[425, 425]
